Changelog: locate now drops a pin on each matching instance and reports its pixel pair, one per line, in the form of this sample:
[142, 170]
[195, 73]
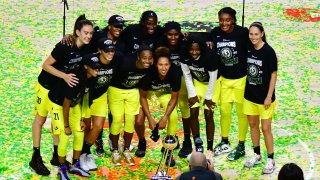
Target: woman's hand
[71, 79]
[67, 130]
[267, 102]
[193, 100]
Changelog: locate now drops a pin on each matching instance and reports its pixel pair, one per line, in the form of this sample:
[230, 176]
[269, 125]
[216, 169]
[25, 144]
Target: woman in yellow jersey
[200, 68]
[163, 80]
[230, 43]
[259, 102]
[123, 100]
[55, 68]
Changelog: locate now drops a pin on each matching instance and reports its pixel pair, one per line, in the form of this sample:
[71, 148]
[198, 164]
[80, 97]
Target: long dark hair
[78, 25]
[260, 27]
[230, 11]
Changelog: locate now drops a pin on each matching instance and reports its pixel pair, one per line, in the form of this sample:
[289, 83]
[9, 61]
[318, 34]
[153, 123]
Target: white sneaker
[91, 163]
[269, 167]
[83, 162]
[255, 159]
[222, 148]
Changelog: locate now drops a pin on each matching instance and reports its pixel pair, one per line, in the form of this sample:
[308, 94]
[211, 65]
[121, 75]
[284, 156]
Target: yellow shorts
[216, 91]
[123, 101]
[232, 90]
[250, 108]
[99, 106]
[57, 119]
[42, 102]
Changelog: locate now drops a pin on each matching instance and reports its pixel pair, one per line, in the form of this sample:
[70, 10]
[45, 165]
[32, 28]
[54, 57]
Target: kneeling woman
[164, 81]
[259, 103]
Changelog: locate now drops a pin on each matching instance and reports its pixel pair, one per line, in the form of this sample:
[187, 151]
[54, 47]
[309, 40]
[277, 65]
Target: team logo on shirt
[254, 72]
[95, 59]
[227, 51]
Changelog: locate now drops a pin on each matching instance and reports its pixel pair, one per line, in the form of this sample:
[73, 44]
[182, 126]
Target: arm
[145, 108]
[188, 78]
[66, 109]
[171, 105]
[70, 79]
[212, 81]
[272, 84]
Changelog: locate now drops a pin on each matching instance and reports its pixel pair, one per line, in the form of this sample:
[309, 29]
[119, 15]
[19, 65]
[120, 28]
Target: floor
[30, 29]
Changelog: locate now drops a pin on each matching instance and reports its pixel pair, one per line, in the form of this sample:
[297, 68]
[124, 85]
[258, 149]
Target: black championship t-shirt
[152, 82]
[67, 59]
[231, 49]
[132, 38]
[261, 63]
[62, 90]
[199, 68]
[128, 75]
[99, 84]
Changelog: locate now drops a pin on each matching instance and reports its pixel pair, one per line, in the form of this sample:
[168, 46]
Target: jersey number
[38, 100]
[56, 116]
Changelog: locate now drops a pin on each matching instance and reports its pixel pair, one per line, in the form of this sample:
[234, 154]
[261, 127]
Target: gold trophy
[169, 143]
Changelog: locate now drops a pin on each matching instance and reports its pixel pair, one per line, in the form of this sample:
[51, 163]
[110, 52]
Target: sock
[142, 140]
[36, 152]
[210, 144]
[257, 150]
[225, 141]
[75, 161]
[86, 148]
[55, 150]
[187, 136]
[270, 156]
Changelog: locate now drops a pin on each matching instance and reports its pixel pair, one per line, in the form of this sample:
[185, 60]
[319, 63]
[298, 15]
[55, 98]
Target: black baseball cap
[92, 62]
[116, 20]
[105, 44]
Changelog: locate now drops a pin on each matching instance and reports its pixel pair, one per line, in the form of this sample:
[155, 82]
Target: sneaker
[83, 162]
[115, 157]
[269, 167]
[62, 173]
[128, 158]
[255, 159]
[99, 148]
[38, 166]
[221, 148]
[141, 151]
[155, 134]
[54, 161]
[237, 153]
[76, 169]
[91, 163]
[169, 160]
[186, 149]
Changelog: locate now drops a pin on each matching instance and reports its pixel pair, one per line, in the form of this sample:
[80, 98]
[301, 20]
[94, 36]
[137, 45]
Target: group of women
[117, 71]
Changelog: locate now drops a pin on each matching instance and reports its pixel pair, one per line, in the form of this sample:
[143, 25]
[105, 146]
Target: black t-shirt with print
[132, 38]
[67, 59]
[261, 63]
[99, 84]
[231, 49]
[152, 81]
[128, 75]
[199, 68]
[62, 90]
